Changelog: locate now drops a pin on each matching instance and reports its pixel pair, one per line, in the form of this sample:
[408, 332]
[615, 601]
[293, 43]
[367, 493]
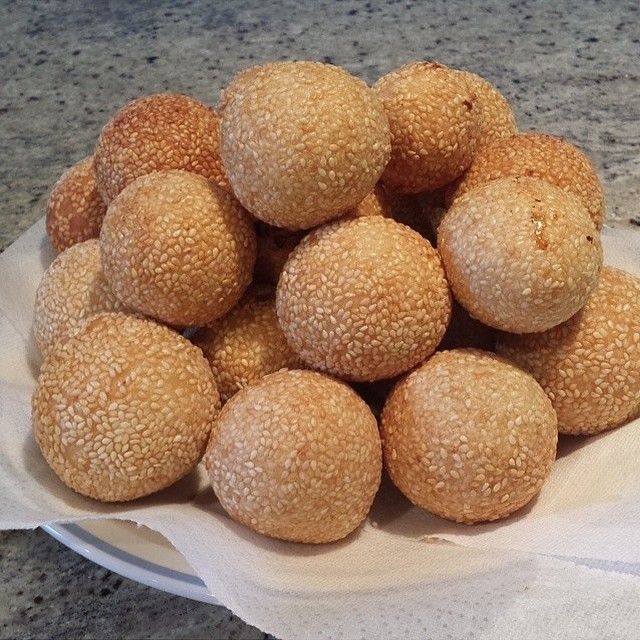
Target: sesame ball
[296, 456]
[433, 127]
[154, 133]
[493, 113]
[521, 255]
[274, 246]
[538, 155]
[363, 299]
[123, 408]
[301, 142]
[589, 365]
[246, 344]
[75, 209]
[177, 248]
[468, 436]
[72, 289]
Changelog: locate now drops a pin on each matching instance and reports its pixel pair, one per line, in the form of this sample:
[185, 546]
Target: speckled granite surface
[568, 68]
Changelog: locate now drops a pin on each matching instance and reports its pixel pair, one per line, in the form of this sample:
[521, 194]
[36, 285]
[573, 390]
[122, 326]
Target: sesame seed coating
[538, 155]
[589, 365]
[296, 456]
[301, 142]
[154, 133]
[492, 110]
[75, 209]
[124, 408]
[363, 298]
[521, 255]
[178, 248]
[433, 126]
[246, 344]
[72, 289]
[468, 436]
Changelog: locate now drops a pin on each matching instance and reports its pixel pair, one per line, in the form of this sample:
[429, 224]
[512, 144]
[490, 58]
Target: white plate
[134, 552]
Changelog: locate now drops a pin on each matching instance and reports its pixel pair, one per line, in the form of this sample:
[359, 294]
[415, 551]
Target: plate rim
[128, 565]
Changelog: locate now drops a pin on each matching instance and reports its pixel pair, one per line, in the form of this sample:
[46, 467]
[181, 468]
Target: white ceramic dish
[134, 552]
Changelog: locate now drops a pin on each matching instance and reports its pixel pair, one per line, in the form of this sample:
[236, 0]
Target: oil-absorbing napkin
[399, 575]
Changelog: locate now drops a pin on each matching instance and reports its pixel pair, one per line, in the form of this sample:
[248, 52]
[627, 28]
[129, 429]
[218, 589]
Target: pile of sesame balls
[322, 279]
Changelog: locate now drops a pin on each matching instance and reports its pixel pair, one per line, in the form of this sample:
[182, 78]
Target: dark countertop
[568, 67]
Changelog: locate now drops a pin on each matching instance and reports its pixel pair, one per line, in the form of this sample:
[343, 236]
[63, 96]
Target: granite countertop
[568, 68]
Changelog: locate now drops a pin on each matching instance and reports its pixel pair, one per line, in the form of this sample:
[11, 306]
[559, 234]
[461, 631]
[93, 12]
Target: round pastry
[468, 436]
[433, 126]
[177, 248]
[589, 365]
[75, 209]
[363, 299]
[123, 408]
[493, 112]
[521, 255]
[72, 289]
[155, 133]
[296, 456]
[246, 344]
[301, 142]
[537, 155]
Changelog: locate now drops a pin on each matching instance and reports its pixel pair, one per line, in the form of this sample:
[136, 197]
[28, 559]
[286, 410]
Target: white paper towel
[398, 575]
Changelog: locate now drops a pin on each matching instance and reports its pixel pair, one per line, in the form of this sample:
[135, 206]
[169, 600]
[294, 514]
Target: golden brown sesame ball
[75, 209]
[433, 126]
[123, 408]
[538, 155]
[178, 248]
[274, 246]
[296, 456]
[589, 365]
[246, 344]
[521, 255]
[363, 299]
[468, 436]
[492, 110]
[72, 289]
[154, 133]
[302, 142]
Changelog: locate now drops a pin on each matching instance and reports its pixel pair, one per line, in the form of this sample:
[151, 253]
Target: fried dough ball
[155, 133]
[178, 248]
[124, 408]
[589, 365]
[537, 155]
[296, 456]
[246, 344]
[72, 289]
[521, 255]
[75, 209]
[492, 110]
[363, 299]
[302, 142]
[433, 126]
[468, 436]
